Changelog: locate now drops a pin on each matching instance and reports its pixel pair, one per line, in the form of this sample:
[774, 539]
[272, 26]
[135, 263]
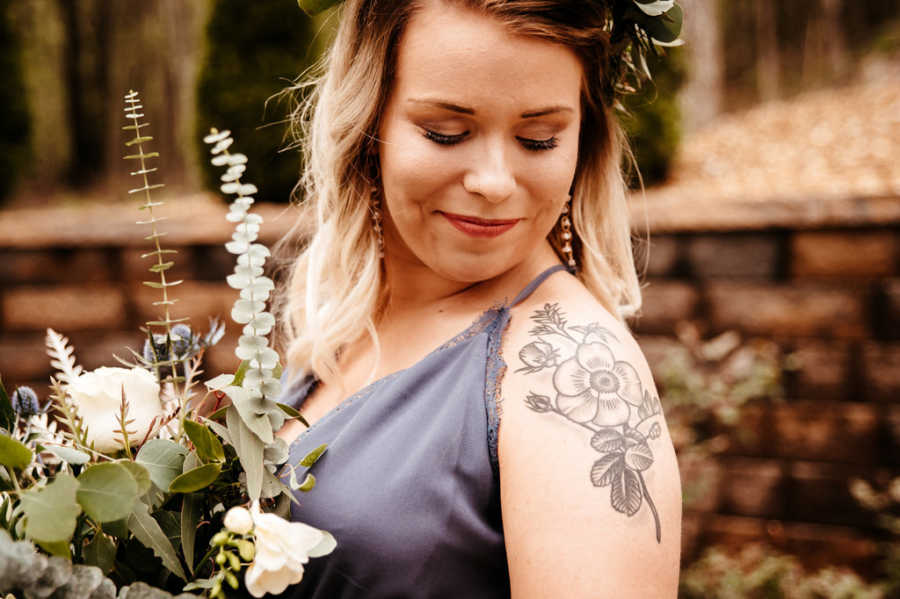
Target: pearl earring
[566, 234]
[375, 210]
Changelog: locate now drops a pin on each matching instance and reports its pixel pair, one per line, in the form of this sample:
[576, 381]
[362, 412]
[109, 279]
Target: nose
[491, 175]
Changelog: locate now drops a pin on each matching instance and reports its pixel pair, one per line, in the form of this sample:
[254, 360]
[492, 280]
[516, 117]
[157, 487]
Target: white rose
[238, 520]
[282, 548]
[98, 394]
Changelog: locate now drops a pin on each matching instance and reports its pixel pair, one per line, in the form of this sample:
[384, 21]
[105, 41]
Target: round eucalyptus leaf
[163, 459]
[51, 512]
[107, 492]
[139, 473]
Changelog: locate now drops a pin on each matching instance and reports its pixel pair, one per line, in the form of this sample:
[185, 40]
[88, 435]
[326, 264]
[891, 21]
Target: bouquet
[136, 476]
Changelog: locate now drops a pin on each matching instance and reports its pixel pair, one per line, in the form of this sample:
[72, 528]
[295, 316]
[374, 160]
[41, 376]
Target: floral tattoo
[601, 394]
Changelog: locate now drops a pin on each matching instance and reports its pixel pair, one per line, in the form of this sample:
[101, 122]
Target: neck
[414, 287]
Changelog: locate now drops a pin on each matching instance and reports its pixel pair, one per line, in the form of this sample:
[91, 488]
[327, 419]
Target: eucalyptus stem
[132, 112]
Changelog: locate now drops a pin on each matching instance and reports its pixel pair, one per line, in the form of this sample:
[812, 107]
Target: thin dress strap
[529, 289]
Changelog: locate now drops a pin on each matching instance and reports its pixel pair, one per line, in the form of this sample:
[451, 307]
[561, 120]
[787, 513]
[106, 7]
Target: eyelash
[534, 145]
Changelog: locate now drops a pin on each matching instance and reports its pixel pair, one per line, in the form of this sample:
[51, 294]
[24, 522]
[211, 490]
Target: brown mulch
[826, 144]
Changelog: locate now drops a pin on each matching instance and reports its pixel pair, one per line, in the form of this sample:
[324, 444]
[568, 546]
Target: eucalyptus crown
[636, 28]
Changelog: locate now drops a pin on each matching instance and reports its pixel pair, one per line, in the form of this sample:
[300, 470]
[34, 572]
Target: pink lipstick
[480, 227]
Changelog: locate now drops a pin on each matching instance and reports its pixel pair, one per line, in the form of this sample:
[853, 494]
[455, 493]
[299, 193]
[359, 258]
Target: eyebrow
[465, 110]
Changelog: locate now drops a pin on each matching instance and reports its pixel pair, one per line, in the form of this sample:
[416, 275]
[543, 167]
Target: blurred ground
[823, 144]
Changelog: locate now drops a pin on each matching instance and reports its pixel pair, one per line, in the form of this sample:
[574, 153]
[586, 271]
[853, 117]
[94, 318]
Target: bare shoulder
[590, 490]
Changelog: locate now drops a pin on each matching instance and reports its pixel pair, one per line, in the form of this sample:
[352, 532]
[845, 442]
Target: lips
[480, 227]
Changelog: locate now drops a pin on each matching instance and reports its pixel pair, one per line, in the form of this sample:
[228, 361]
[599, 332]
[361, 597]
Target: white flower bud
[238, 520]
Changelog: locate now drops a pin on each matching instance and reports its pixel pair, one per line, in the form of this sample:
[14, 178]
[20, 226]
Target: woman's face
[481, 125]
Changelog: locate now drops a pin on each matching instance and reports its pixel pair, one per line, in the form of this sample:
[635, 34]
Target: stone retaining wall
[829, 295]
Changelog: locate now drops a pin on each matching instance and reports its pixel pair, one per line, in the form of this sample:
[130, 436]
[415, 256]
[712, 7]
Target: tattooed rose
[538, 355]
[595, 387]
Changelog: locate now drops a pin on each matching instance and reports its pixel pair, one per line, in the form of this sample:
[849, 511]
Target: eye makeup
[534, 145]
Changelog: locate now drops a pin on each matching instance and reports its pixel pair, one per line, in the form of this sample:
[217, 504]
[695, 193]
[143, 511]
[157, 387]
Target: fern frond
[69, 413]
[62, 357]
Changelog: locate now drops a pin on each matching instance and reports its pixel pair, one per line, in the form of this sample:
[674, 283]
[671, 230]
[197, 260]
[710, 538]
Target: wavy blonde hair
[335, 289]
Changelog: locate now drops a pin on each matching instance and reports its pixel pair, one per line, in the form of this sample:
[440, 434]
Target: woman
[468, 214]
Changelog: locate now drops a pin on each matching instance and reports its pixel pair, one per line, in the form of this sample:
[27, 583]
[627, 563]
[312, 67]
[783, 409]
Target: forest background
[208, 62]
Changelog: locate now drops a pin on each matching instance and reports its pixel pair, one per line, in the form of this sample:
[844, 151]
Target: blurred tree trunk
[824, 50]
[701, 96]
[768, 63]
[833, 29]
[80, 148]
[80, 57]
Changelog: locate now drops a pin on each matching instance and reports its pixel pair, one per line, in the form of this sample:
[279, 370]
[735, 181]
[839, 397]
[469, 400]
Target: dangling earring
[566, 234]
[375, 210]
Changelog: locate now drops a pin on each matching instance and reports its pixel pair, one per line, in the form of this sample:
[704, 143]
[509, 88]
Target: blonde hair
[335, 289]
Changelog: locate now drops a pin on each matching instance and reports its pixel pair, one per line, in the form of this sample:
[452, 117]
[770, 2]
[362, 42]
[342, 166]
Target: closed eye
[535, 145]
[539, 144]
[447, 140]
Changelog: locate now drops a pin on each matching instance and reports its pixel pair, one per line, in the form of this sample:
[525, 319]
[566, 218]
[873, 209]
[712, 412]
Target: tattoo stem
[565, 333]
[652, 506]
[556, 411]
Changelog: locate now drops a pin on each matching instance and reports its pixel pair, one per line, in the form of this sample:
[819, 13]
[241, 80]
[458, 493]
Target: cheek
[411, 173]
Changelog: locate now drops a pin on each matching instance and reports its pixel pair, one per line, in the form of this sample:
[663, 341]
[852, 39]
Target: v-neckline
[498, 308]
[452, 342]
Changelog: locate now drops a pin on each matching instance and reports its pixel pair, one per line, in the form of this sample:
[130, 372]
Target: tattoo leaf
[538, 403]
[655, 431]
[639, 457]
[541, 330]
[594, 328]
[550, 315]
[608, 440]
[649, 406]
[626, 495]
[607, 469]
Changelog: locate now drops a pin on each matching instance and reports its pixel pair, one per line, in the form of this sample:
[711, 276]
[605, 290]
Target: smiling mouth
[480, 227]
[485, 222]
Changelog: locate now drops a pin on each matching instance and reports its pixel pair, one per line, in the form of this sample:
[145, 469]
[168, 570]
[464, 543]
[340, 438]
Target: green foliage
[209, 448]
[15, 125]
[884, 501]
[760, 572]
[14, 454]
[653, 122]
[163, 459]
[52, 511]
[195, 479]
[101, 552]
[107, 492]
[254, 49]
[148, 531]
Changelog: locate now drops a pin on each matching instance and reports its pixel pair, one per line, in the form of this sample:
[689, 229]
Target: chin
[471, 268]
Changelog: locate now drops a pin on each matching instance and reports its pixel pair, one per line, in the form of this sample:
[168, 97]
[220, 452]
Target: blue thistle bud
[182, 340]
[25, 402]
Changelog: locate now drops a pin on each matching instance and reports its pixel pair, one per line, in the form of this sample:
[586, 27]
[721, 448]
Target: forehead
[458, 54]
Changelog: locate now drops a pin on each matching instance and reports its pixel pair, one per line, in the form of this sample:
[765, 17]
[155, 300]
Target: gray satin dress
[409, 485]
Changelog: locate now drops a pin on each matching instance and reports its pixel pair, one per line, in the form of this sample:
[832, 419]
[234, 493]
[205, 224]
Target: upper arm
[590, 490]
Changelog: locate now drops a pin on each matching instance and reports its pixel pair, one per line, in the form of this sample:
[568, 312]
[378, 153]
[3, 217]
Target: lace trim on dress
[495, 369]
